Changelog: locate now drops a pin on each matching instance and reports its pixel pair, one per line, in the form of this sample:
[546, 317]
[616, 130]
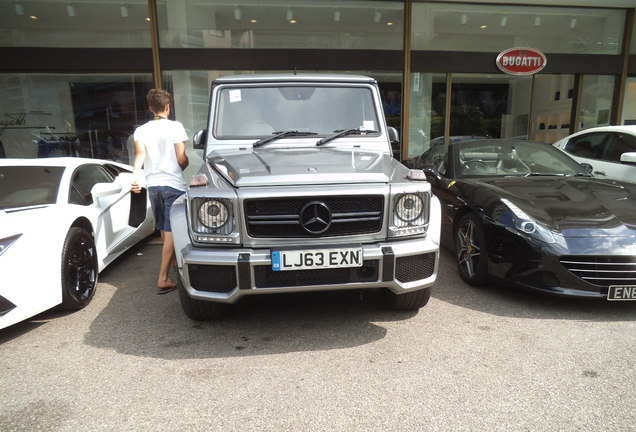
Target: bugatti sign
[521, 61]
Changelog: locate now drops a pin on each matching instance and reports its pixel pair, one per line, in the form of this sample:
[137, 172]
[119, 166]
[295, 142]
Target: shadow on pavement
[138, 322]
[516, 303]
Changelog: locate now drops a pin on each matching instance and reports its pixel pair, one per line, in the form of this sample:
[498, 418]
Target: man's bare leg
[167, 258]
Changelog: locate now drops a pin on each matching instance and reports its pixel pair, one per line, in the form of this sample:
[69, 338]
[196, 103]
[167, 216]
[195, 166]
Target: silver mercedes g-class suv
[300, 192]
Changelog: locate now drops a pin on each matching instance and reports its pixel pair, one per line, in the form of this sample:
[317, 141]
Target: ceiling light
[389, 23]
[19, 9]
[537, 21]
[463, 19]
[504, 21]
[573, 23]
[336, 15]
[124, 11]
[290, 14]
[253, 20]
[483, 27]
[33, 17]
[377, 15]
[70, 10]
[237, 14]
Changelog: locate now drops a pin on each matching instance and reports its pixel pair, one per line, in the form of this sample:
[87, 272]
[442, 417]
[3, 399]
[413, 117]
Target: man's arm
[140, 157]
[182, 158]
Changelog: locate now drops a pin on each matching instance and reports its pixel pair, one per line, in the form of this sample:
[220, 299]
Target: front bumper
[226, 275]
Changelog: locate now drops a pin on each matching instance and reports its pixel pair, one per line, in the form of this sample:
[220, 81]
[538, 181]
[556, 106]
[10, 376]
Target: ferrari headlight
[513, 217]
[5, 243]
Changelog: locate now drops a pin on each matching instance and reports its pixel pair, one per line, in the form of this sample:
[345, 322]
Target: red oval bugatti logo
[521, 61]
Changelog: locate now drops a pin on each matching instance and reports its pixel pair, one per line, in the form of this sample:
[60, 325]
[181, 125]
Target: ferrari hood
[566, 204]
[319, 165]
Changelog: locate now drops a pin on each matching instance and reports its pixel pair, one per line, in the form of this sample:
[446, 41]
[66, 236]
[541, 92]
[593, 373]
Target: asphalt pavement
[488, 359]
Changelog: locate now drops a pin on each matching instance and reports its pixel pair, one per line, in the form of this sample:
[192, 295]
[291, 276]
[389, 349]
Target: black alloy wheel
[79, 269]
[470, 248]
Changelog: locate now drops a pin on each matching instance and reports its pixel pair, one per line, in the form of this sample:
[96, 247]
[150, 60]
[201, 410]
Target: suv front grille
[281, 217]
[603, 270]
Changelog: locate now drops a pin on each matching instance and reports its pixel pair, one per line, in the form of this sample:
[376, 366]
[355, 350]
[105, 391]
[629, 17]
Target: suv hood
[316, 165]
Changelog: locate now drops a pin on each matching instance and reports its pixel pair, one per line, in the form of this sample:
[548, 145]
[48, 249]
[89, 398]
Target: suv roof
[291, 77]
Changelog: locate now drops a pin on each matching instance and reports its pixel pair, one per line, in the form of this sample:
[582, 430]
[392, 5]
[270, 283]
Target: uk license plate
[316, 259]
[621, 292]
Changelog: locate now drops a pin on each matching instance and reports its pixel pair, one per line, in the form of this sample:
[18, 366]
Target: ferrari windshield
[258, 112]
[22, 186]
[512, 158]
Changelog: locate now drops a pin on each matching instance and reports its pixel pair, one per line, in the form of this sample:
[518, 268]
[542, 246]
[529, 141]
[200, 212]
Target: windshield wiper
[344, 132]
[536, 174]
[281, 134]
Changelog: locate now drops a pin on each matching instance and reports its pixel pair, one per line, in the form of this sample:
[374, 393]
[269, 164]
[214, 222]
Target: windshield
[518, 158]
[22, 186]
[257, 112]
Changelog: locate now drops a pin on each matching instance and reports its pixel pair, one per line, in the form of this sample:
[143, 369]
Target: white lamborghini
[62, 221]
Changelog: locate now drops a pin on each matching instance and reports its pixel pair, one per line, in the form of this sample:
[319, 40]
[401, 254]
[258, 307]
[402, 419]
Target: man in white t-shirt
[160, 151]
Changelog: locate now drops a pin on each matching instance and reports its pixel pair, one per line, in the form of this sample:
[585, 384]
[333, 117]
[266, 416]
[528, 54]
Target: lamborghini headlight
[514, 218]
[5, 243]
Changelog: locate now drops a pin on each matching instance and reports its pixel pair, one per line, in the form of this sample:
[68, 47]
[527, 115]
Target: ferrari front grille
[603, 270]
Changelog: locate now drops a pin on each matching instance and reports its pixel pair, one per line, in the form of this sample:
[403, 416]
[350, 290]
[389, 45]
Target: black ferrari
[525, 214]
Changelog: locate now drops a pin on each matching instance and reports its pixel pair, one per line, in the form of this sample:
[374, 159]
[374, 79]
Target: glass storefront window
[313, 24]
[596, 101]
[64, 24]
[445, 26]
[85, 115]
[427, 111]
[629, 105]
[496, 106]
[551, 107]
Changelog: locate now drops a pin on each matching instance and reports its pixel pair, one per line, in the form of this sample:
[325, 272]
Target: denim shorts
[161, 199]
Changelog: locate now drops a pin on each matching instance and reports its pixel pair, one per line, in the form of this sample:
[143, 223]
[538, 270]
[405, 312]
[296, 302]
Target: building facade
[75, 72]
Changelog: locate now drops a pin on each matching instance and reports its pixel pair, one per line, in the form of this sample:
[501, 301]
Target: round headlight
[213, 214]
[409, 207]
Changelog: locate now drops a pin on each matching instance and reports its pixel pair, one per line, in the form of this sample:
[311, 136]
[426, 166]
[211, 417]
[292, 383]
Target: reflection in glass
[272, 24]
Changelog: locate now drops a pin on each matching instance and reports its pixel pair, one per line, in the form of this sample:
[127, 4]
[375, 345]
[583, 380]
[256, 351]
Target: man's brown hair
[157, 100]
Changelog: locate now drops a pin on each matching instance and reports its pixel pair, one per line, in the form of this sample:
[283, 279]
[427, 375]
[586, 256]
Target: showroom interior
[76, 72]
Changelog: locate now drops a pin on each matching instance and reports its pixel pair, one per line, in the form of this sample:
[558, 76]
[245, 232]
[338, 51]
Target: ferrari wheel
[79, 269]
[470, 246]
[200, 310]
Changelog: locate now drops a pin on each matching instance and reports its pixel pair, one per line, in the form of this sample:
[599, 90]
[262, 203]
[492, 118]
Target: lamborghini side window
[84, 178]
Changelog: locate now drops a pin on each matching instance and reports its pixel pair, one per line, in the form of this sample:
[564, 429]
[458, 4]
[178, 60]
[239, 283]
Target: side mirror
[101, 190]
[628, 158]
[199, 139]
[394, 136]
[431, 171]
[587, 167]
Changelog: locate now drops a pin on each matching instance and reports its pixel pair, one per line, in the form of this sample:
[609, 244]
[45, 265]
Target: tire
[408, 301]
[79, 269]
[470, 250]
[200, 310]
